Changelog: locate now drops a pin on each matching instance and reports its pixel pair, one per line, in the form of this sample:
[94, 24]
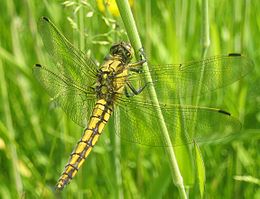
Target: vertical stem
[10, 127]
[205, 45]
[205, 28]
[205, 42]
[117, 152]
[132, 33]
[81, 27]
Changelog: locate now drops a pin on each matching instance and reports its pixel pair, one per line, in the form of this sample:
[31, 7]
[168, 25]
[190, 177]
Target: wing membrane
[76, 101]
[184, 123]
[183, 80]
[68, 61]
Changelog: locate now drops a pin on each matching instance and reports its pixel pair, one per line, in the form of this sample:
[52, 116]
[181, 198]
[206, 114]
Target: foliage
[36, 137]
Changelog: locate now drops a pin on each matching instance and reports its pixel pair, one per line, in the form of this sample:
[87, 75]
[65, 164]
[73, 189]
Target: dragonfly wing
[184, 123]
[183, 80]
[75, 100]
[67, 59]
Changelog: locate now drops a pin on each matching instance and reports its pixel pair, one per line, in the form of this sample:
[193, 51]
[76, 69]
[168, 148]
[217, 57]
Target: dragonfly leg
[142, 54]
[136, 64]
[140, 62]
[127, 94]
[133, 89]
[136, 70]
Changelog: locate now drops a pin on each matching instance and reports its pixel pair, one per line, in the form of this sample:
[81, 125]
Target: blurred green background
[36, 137]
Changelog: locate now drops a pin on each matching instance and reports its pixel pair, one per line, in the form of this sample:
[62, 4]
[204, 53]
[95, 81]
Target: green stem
[205, 28]
[11, 147]
[117, 155]
[132, 33]
[205, 44]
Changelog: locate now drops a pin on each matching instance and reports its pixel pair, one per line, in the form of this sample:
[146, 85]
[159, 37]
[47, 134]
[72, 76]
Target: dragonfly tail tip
[59, 187]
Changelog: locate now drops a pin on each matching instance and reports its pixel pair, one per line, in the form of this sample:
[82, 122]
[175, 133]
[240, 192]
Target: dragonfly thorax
[111, 78]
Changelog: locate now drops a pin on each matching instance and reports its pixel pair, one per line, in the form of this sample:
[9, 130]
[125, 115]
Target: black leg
[136, 70]
[134, 90]
[136, 67]
[139, 63]
[127, 94]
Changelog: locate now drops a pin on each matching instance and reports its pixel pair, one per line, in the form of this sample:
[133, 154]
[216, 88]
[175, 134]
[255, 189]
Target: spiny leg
[137, 68]
[140, 62]
[133, 89]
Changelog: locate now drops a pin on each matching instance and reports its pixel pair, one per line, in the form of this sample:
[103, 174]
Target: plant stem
[205, 45]
[117, 155]
[205, 28]
[205, 41]
[132, 33]
[11, 147]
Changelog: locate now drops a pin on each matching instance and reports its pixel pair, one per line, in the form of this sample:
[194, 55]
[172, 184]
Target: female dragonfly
[89, 93]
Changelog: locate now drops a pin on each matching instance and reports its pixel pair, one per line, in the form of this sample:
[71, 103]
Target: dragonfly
[89, 94]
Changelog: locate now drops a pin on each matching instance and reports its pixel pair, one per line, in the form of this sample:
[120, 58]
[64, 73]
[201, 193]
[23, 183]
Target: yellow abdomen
[97, 122]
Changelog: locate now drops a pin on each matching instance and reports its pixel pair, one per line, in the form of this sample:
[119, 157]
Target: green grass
[36, 137]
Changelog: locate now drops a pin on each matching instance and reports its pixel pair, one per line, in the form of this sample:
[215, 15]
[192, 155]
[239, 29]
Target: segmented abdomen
[97, 122]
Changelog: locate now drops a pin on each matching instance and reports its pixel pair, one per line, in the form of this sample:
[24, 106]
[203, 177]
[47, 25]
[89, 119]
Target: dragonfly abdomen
[100, 115]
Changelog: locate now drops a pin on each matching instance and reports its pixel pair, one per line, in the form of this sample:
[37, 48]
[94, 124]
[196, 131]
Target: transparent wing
[197, 77]
[75, 100]
[68, 61]
[184, 123]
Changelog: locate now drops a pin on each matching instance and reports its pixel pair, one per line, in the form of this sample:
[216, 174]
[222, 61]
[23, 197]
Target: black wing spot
[234, 55]
[46, 19]
[38, 65]
[224, 112]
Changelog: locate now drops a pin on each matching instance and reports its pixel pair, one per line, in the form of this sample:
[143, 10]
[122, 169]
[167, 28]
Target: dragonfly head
[123, 50]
